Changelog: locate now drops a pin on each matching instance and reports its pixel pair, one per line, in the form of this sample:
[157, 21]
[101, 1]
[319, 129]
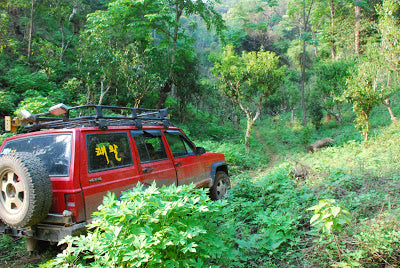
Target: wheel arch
[218, 166]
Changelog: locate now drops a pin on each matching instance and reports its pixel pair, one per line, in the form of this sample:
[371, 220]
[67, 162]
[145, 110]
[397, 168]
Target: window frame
[88, 165]
[155, 133]
[186, 142]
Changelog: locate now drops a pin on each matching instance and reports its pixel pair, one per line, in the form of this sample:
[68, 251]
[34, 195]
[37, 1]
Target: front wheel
[221, 185]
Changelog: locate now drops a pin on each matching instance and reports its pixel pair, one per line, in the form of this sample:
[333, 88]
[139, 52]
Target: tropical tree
[3, 27]
[111, 43]
[300, 12]
[69, 19]
[331, 77]
[389, 51]
[364, 92]
[248, 80]
[168, 24]
[152, 30]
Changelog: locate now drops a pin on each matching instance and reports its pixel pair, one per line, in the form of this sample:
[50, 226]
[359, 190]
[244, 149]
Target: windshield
[53, 149]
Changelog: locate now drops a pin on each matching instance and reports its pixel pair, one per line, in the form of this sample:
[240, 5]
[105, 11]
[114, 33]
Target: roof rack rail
[89, 115]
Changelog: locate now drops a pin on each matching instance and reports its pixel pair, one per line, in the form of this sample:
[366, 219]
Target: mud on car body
[51, 181]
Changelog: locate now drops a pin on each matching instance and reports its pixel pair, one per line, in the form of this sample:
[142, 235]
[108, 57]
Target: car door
[108, 165]
[188, 165]
[154, 162]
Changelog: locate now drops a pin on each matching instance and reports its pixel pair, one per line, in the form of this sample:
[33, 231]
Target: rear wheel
[221, 185]
[25, 190]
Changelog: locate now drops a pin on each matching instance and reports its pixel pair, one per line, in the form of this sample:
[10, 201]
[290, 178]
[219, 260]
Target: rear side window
[149, 145]
[178, 144]
[54, 150]
[108, 151]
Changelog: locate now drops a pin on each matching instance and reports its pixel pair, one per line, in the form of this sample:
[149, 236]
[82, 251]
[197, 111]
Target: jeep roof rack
[101, 116]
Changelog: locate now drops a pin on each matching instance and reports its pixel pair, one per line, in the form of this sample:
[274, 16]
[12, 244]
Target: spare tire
[25, 190]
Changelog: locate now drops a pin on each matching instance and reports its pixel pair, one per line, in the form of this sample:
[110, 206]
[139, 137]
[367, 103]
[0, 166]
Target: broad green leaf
[314, 218]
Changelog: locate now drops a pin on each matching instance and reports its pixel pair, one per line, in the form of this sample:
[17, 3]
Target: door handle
[178, 164]
[145, 170]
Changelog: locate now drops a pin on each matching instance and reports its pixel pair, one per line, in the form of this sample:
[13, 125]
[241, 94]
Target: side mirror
[199, 150]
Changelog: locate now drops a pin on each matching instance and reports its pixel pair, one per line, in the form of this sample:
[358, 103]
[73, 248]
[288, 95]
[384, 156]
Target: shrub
[266, 218]
[167, 227]
[4, 136]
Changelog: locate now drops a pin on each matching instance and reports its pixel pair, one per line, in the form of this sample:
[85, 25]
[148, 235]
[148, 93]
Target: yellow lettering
[102, 151]
[114, 149]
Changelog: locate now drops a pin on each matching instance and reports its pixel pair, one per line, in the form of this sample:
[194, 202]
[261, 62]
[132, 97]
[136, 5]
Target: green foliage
[7, 255]
[127, 50]
[378, 239]
[3, 29]
[378, 157]
[4, 136]
[166, 227]
[288, 94]
[71, 93]
[305, 135]
[389, 29]
[265, 217]
[248, 80]
[363, 177]
[329, 216]
[22, 81]
[331, 82]
[376, 79]
[251, 77]
[316, 114]
[34, 105]
[235, 154]
[363, 92]
[6, 102]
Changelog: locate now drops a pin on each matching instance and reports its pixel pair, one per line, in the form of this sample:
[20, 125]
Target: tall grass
[380, 156]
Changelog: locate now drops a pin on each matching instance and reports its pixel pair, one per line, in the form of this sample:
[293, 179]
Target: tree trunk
[250, 123]
[64, 43]
[339, 113]
[103, 89]
[365, 130]
[314, 43]
[30, 32]
[306, 17]
[303, 72]
[387, 104]
[333, 43]
[357, 9]
[163, 94]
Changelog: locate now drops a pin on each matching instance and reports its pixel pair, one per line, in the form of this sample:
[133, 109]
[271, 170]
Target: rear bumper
[45, 232]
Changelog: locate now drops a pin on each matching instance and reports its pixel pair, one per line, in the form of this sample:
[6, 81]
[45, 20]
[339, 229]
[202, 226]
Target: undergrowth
[364, 178]
[167, 227]
[264, 221]
[7, 256]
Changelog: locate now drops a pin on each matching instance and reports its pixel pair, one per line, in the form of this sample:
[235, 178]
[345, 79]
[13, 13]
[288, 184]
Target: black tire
[25, 190]
[221, 185]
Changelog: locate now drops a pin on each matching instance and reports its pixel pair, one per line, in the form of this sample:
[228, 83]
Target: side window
[178, 144]
[108, 151]
[149, 145]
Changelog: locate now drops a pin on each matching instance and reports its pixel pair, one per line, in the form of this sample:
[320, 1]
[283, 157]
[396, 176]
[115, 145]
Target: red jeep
[51, 181]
